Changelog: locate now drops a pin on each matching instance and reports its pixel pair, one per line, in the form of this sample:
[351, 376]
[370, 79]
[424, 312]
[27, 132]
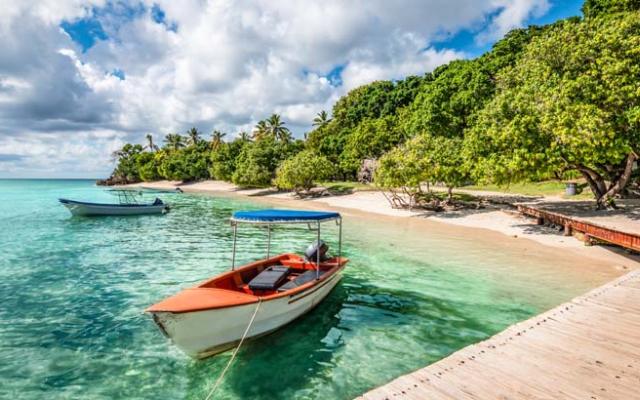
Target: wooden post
[540, 221]
[587, 240]
[567, 229]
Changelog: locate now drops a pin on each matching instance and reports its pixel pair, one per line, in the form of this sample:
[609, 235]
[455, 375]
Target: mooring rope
[235, 352]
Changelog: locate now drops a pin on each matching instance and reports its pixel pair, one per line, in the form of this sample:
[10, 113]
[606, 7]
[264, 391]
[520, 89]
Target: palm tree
[261, 130]
[244, 137]
[216, 138]
[193, 136]
[277, 130]
[174, 141]
[322, 119]
[150, 145]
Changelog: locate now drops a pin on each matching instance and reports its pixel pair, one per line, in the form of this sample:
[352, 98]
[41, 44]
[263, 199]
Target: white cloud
[226, 66]
[513, 14]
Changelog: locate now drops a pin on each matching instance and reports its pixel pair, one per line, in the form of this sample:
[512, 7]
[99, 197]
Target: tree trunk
[593, 185]
[449, 194]
[617, 186]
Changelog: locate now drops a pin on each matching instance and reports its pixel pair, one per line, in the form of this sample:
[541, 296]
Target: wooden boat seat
[300, 280]
[270, 278]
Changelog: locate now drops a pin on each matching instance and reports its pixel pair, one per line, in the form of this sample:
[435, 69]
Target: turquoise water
[72, 291]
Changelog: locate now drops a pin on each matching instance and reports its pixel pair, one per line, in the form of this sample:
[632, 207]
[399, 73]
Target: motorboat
[257, 298]
[127, 205]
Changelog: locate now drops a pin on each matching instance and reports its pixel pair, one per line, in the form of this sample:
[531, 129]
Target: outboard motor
[311, 254]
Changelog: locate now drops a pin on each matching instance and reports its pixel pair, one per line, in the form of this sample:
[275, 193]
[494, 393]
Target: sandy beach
[492, 223]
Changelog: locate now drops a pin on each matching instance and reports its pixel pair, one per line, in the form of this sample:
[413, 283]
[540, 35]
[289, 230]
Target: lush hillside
[555, 101]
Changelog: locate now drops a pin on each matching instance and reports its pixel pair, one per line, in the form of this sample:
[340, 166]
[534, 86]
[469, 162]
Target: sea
[73, 292]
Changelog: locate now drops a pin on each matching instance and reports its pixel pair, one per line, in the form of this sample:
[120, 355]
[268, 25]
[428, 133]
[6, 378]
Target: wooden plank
[626, 239]
[588, 348]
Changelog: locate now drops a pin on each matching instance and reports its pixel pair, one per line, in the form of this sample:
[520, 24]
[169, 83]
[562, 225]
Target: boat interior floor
[279, 278]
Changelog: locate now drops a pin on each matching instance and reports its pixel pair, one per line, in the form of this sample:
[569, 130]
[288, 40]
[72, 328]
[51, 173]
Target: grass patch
[545, 188]
[339, 187]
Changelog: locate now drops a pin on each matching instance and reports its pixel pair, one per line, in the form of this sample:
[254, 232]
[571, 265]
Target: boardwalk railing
[588, 229]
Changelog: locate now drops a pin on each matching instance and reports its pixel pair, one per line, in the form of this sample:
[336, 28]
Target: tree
[256, 163]
[193, 136]
[425, 158]
[127, 168]
[217, 138]
[300, 172]
[321, 120]
[370, 139]
[261, 130]
[447, 104]
[148, 163]
[571, 103]
[150, 145]
[244, 137]
[223, 159]
[186, 164]
[594, 8]
[277, 129]
[174, 141]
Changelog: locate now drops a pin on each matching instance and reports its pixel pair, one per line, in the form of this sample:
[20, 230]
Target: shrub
[301, 171]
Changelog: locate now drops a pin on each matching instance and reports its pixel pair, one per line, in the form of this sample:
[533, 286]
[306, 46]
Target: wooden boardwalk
[588, 348]
[589, 230]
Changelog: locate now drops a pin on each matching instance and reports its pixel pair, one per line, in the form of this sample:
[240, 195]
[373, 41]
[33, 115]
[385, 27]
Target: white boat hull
[203, 333]
[88, 210]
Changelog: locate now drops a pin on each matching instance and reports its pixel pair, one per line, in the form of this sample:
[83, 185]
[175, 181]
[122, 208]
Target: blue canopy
[283, 216]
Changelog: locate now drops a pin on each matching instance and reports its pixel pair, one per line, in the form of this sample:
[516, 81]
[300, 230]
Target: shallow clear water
[72, 291]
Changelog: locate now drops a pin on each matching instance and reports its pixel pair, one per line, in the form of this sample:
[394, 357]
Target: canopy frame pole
[339, 222]
[233, 252]
[318, 254]
[268, 240]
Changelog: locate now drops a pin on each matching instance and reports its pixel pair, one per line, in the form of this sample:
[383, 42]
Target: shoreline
[598, 267]
[495, 221]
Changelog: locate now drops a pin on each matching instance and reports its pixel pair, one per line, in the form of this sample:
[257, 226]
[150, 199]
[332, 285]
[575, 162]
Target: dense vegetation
[556, 101]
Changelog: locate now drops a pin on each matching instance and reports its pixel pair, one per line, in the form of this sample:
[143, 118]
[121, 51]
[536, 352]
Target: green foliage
[257, 162]
[356, 113]
[571, 103]
[446, 105]
[193, 136]
[402, 167]
[322, 119]
[594, 8]
[174, 141]
[301, 171]
[370, 139]
[426, 158]
[127, 167]
[187, 164]
[223, 160]
[273, 128]
[148, 163]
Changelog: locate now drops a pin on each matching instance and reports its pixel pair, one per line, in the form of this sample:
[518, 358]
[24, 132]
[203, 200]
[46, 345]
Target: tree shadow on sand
[628, 208]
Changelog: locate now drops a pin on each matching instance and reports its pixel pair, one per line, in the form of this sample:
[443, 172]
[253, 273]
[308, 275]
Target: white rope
[235, 352]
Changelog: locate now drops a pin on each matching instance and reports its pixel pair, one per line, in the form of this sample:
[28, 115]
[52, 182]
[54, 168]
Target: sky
[78, 79]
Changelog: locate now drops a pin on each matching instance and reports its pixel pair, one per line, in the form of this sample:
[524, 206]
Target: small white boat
[127, 206]
[255, 299]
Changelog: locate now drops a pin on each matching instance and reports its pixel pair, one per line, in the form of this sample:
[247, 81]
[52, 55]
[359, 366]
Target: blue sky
[80, 78]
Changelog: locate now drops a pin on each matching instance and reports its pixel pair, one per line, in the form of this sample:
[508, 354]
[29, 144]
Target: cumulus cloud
[163, 66]
[512, 14]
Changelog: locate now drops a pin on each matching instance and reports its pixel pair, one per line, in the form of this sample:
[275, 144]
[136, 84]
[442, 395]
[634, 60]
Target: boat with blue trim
[127, 205]
[257, 298]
